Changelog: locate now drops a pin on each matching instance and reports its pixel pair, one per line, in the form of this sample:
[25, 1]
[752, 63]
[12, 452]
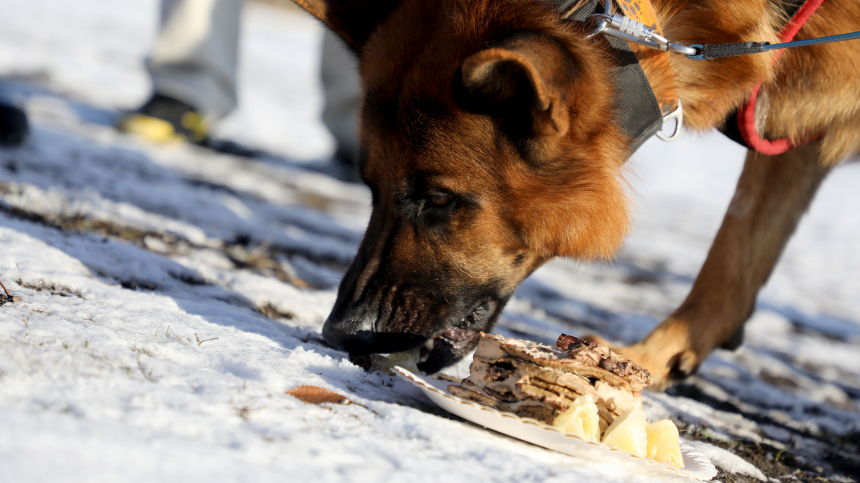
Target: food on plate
[580, 419]
[579, 387]
[627, 433]
[385, 362]
[538, 381]
[664, 444]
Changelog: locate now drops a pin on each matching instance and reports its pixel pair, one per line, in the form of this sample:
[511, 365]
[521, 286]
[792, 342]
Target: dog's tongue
[449, 346]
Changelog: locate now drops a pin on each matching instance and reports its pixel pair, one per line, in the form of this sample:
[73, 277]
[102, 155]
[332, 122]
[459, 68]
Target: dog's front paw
[667, 364]
[667, 367]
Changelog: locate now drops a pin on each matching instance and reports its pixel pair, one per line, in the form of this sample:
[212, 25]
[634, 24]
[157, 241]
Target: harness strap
[640, 19]
[638, 111]
[643, 11]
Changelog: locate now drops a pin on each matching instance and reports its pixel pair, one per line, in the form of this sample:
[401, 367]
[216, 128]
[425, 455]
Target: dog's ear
[525, 82]
[354, 20]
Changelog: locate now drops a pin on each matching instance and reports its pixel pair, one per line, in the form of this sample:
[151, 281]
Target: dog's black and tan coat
[490, 146]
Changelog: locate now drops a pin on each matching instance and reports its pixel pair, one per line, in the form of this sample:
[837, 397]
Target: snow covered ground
[170, 295]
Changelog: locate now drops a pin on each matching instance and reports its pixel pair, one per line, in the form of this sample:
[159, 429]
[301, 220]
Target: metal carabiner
[636, 32]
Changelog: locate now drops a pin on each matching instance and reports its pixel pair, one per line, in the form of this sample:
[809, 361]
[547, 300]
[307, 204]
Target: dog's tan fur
[449, 83]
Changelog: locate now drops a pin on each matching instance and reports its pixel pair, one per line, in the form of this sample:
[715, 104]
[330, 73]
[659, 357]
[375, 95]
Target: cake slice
[539, 381]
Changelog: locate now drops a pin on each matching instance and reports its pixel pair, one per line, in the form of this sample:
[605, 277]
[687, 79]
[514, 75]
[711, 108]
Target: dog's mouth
[441, 350]
[451, 345]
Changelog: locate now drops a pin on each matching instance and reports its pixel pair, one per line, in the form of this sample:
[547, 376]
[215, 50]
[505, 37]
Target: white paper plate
[696, 465]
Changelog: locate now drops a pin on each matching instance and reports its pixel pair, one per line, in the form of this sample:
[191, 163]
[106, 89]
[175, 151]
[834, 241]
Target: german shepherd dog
[490, 144]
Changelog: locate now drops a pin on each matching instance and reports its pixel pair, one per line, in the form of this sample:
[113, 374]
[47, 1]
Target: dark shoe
[163, 119]
[13, 125]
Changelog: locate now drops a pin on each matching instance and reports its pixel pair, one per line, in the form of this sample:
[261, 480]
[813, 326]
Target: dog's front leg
[772, 194]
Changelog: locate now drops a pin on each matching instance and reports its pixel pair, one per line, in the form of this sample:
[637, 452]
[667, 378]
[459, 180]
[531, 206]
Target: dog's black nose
[356, 336]
[353, 336]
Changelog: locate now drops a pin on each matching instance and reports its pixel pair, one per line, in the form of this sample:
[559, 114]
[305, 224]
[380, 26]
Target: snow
[724, 459]
[140, 350]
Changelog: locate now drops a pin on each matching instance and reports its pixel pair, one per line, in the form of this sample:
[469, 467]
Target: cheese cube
[627, 433]
[664, 445]
[580, 419]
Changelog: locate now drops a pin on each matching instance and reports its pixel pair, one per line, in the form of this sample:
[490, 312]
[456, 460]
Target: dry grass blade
[5, 289]
[200, 342]
[317, 395]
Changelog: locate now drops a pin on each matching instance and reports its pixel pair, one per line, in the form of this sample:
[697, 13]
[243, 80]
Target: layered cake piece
[538, 381]
[580, 388]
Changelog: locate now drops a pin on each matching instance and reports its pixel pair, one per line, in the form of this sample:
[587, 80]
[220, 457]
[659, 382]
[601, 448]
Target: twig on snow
[200, 342]
[8, 297]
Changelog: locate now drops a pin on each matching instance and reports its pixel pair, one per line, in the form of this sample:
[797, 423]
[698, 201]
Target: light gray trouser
[196, 54]
[195, 60]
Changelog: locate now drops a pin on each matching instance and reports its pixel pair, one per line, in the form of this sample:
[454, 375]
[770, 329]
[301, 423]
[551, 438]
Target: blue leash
[716, 51]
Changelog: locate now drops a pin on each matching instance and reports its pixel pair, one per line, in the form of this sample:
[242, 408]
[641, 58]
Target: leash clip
[626, 28]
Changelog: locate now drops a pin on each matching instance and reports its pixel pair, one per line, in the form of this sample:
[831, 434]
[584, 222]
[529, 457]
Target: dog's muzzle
[355, 334]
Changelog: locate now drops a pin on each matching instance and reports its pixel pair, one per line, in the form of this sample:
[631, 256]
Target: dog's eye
[439, 200]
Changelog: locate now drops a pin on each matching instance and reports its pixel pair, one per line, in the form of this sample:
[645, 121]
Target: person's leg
[196, 54]
[193, 68]
[342, 96]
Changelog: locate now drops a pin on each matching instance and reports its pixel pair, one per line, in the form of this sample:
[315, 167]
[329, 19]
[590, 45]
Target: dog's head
[489, 146]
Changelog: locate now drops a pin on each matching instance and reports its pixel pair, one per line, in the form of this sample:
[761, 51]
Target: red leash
[746, 113]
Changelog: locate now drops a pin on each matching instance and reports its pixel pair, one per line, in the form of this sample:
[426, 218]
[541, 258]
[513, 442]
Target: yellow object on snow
[161, 131]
